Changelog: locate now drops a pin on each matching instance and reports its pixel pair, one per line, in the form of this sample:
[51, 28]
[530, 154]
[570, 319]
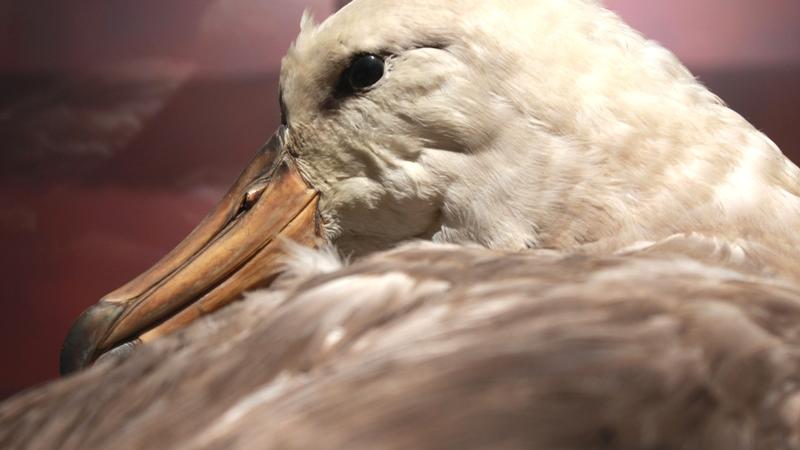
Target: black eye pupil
[365, 71]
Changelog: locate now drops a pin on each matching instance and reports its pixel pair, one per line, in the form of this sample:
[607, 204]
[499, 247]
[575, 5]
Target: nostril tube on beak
[253, 194]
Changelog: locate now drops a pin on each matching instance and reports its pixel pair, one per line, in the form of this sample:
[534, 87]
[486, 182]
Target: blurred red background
[123, 122]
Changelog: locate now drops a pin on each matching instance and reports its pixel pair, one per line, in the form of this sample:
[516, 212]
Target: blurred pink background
[123, 122]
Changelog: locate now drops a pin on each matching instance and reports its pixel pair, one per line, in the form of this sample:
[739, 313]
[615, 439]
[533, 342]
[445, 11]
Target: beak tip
[82, 341]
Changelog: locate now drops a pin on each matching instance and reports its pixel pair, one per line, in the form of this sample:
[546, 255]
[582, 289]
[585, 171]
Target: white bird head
[511, 124]
[507, 123]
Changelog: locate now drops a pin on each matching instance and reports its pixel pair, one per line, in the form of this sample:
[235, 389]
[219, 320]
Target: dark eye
[365, 71]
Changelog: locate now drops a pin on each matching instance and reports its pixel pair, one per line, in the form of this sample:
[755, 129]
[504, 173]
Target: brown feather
[466, 348]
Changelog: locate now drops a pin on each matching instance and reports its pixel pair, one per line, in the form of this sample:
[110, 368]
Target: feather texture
[614, 264]
[432, 346]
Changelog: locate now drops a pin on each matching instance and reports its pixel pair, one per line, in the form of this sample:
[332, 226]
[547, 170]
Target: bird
[480, 224]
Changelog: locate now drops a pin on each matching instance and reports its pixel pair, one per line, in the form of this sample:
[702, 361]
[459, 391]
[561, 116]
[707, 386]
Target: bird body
[603, 256]
[444, 346]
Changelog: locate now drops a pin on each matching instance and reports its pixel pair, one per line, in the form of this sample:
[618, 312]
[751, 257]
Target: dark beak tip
[82, 341]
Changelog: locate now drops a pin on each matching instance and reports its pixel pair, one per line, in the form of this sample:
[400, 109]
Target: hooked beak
[234, 249]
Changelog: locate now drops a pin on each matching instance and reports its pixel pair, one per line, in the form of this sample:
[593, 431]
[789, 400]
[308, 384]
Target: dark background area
[122, 122]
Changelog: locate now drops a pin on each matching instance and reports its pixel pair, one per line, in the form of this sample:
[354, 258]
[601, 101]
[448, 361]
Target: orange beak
[234, 249]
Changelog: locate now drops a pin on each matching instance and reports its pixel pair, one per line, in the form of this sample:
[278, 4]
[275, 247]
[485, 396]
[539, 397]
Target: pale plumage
[566, 128]
[434, 346]
[657, 309]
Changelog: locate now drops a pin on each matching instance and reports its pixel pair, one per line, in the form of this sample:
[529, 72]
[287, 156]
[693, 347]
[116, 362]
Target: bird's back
[451, 347]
